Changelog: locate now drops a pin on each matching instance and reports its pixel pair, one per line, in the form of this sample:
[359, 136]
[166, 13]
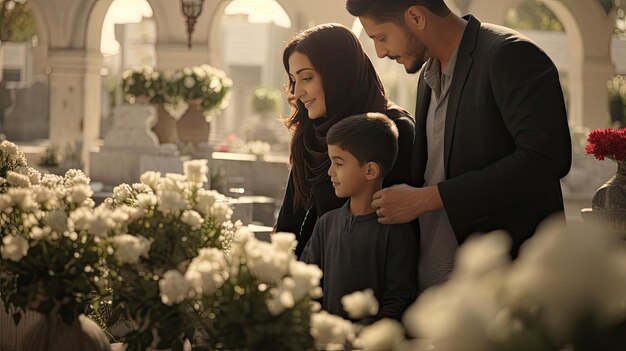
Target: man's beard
[416, 51]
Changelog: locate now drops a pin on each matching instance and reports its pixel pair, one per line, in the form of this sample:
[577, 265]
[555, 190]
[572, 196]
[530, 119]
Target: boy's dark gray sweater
[358, 253]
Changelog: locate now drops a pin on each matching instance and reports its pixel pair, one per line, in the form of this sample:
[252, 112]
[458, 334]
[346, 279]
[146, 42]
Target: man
[491, 133]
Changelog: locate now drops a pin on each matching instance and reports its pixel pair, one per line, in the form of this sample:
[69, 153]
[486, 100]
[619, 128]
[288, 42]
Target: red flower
[609, 143]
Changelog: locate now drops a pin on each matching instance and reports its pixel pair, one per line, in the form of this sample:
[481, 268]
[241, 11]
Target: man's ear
[415, 17]
[372, 170]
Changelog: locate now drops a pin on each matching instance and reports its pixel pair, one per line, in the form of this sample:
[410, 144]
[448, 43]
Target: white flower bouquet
[169, 219]
[566, 289]
[143, 81]
[51, 261]
[206, 85]
[257, 297]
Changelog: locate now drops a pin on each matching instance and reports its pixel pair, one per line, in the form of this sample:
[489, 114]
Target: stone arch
[589, 32]
[40, 53]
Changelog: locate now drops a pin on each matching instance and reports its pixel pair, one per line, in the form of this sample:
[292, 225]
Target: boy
[354, 251]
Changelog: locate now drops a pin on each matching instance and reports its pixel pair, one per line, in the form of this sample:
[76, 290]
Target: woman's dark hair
[351, 86]
[393, 10]
[369, 137]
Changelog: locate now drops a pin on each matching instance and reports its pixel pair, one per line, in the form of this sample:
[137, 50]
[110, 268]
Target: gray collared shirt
[438, 243]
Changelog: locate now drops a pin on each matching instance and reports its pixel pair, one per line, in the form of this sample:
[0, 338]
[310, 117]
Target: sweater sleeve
[400, 272]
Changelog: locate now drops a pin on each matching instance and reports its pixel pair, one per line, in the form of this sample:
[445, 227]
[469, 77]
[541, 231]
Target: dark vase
[165, 128]
[193, 127]
[612, 195]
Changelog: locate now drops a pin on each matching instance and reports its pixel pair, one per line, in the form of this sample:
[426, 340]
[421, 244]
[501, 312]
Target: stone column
[588, 93]
[75, 87]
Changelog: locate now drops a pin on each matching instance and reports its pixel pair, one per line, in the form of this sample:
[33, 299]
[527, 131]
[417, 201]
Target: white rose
[9, 148]
[307, 279]
[205, 277]
[146, 201]
[221, 211]
[330, 331]
[171, 202]
[34, 176]
[5, 203]
[265, 263]
[129, 248]
[79, 193]
[45, 197]
[192, 218]
[205, 199]
[14, 247]
[122, 192]
[141, 188]
[74, 177]
[151, 179]
[281, 297]
[385, 334]
[173, 287]
[482, 254]
[38, 233]
[196, 171]
[284, 242]
[52, 181]
[23, 199]
[57, 220]
[360, 304]
[18, 180]
[189, 82]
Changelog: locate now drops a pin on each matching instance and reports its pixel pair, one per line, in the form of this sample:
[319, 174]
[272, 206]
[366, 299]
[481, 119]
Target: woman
[330, 78]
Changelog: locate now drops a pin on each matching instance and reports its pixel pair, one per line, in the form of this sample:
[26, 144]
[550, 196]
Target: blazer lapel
[461, 70]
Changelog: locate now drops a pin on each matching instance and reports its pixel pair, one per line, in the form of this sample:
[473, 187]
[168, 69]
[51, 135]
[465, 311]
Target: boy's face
[348, 177]
[396, 42]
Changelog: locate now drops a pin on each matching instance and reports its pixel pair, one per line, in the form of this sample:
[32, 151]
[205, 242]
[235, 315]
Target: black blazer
[296, 220]
[507, 141]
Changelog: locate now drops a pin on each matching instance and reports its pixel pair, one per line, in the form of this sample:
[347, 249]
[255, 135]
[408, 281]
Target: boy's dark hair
[369, 137]
[393, 10]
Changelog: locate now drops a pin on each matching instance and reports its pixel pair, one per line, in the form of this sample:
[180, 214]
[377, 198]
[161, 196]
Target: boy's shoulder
[332, 215]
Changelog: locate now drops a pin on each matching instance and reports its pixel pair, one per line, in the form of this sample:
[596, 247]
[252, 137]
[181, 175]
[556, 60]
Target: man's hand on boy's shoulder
[403, 203]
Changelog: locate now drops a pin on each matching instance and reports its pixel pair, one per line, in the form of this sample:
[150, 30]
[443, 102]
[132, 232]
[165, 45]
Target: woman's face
[307, 85]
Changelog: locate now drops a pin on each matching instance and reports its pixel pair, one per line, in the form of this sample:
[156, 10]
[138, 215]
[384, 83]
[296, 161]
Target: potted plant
[196, 93]
[265, 126]
[52, 258]
[170, 219]
[146, 85]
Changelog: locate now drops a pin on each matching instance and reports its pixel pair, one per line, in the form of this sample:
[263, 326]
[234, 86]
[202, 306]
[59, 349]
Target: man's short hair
[369, 137]
[393, 10]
